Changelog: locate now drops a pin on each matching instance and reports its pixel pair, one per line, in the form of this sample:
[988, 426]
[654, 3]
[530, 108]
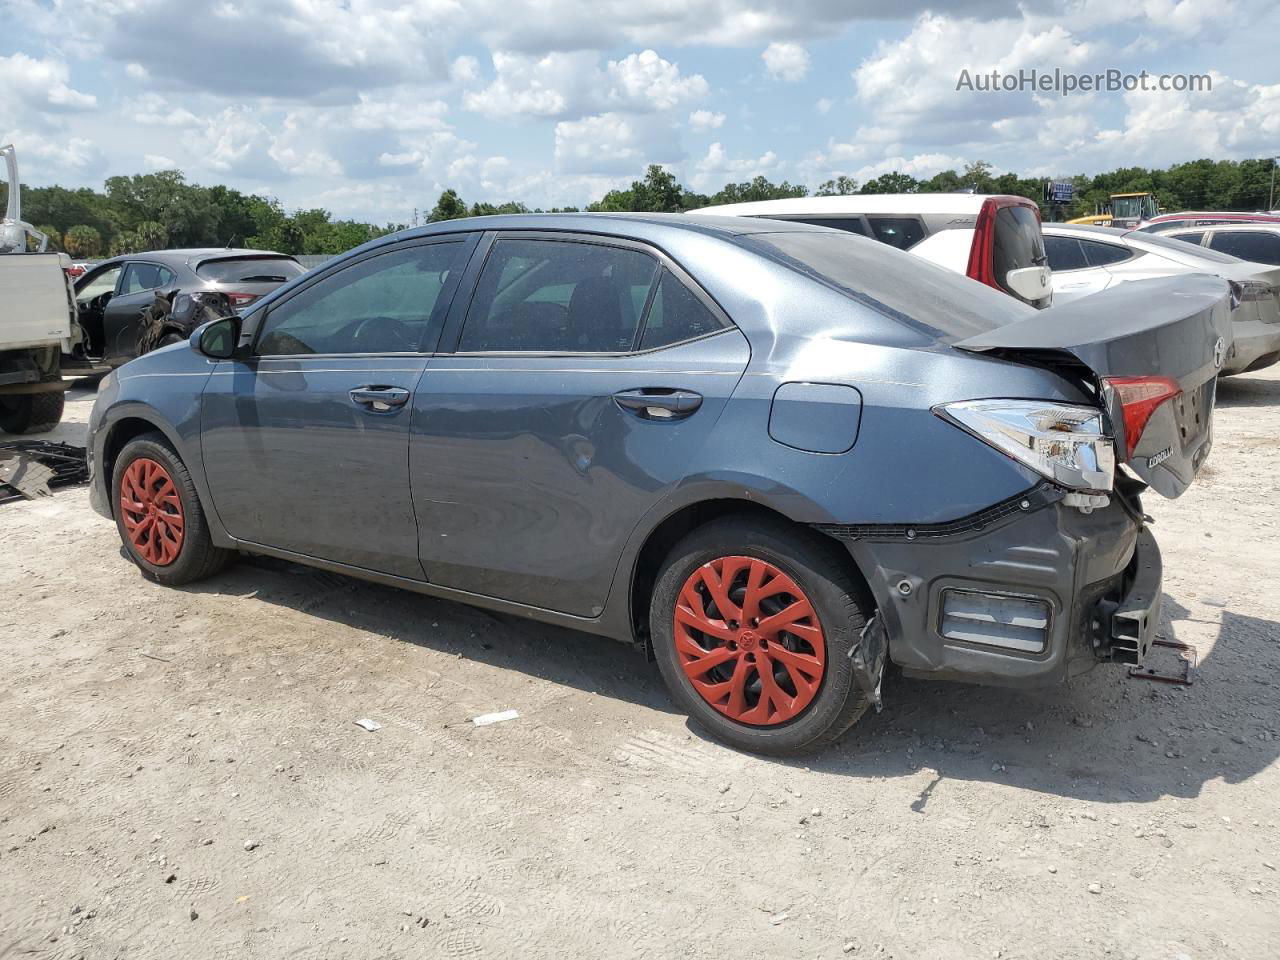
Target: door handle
[659, 403]
[380, 399]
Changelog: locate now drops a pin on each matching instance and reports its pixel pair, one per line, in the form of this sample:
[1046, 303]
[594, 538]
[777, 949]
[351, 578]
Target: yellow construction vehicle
[1124, 210]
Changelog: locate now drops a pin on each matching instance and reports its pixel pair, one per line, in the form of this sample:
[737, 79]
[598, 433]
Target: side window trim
[130, 264]
[467, 240]
[462, 304]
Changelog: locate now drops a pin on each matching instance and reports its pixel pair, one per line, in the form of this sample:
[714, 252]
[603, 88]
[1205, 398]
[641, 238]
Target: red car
[1204, 218]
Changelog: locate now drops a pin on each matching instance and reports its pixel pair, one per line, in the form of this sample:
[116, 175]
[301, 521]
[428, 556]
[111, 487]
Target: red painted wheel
[152, 511]
[749, 640]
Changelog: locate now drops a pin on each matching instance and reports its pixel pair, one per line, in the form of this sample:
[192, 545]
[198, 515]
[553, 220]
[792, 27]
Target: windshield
[250, 270]
[1126, 207]
[899, 285]
[1180, 250]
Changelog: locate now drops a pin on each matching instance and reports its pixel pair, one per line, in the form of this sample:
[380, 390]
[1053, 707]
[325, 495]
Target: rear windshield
[899, 285]
[1183, 251]
[1018, 243]
[250, 270]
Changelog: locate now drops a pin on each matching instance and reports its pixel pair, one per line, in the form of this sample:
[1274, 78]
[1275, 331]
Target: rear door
[1073, 275]
[306, 443]
[587, 373]
[1164, 340]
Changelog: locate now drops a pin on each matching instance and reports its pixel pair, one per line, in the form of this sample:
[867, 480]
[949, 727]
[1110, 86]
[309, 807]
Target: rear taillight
[1139, 398]
[240, 299]
[1062, 441]
[982, 251]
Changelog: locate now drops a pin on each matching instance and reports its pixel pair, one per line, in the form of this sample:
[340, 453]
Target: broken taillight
[241, 299]
[1139, 398]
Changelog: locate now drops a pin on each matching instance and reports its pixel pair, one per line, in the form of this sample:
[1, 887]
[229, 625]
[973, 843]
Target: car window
[1257, 246]
[558, 296]
[1101, 254]
[99, 284]
[1194, 237]
[900, 232]
[250, 270]
[1018, 243]
[848, 224]
[382, 304]
[1183, 251]
[1065, 253]
[145, 276]
[676, 315]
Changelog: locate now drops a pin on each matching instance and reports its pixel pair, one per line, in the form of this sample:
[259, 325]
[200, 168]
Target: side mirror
[218, 339]
[1030, 283]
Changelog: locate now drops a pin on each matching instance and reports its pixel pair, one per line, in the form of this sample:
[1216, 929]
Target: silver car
[1087, 260]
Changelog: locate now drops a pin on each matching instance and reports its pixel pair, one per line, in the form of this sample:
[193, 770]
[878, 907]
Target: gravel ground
[181, 774]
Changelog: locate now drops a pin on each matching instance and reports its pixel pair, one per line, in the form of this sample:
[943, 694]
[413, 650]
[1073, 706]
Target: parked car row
[1001, 242]
[773, 454]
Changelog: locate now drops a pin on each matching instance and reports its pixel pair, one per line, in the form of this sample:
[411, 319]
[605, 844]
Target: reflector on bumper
[995, 620]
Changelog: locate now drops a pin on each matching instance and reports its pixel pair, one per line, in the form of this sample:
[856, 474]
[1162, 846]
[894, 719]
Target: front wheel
[159, 516]
[753, 621]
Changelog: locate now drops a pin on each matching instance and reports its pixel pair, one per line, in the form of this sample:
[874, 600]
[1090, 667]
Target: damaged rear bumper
[1027, 593]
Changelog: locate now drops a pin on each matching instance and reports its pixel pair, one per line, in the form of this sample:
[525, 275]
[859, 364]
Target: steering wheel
[383, 334]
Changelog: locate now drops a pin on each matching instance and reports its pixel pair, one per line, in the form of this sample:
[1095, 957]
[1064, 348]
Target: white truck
[38, 319]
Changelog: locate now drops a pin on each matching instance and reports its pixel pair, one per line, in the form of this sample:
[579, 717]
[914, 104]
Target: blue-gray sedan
[773, 455]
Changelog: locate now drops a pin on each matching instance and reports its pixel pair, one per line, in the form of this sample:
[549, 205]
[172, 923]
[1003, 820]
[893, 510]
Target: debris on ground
[30, 468]
[487, 718]
[366, 724]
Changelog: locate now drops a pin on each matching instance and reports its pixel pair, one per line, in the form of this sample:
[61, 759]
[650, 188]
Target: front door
[122, 316]
[306, 444]
[587, 375]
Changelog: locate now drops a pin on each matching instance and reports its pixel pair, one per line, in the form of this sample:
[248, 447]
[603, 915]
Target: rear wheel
[159, 516]
[170, 337]
[31, 412]
[752, 623]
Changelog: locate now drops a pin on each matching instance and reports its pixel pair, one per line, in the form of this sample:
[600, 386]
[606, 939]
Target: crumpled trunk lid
[1177, 328]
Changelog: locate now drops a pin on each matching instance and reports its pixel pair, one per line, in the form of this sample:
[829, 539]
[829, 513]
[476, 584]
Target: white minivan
[996, 240]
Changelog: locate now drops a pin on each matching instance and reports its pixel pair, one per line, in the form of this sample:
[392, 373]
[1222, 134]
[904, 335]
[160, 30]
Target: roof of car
[1232, 226]
[624, 223]
[189, 254]
[1084, 230]
[1209, 214]
[856, 203]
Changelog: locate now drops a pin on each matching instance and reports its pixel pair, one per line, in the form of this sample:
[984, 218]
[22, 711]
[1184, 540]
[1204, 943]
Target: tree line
[162, 210]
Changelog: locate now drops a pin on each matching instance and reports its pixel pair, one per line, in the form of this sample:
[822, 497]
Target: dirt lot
[149, 737]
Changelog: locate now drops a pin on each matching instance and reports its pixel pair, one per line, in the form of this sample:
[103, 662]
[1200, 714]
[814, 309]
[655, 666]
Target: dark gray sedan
[773, 455]
[136, 302]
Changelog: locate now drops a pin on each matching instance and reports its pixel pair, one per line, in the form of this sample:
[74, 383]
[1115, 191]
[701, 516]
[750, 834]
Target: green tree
[150, 235]
[841, 186]
[894, 182]
[83, 242]
[759, 188]
[448, 207]
[493, 209]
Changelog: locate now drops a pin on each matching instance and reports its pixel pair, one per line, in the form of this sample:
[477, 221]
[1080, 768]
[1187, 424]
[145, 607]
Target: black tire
[31, 412]
[840, 602]
[169, 338]
[197, 557]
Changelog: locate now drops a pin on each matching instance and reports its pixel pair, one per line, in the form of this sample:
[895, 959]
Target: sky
[369, 108]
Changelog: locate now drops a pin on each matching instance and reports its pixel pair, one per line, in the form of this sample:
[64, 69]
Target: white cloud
[701, 121]
[136, 71]
[824, 105]
[605, 143]
[153, 110]
[786, 61]
[43, 84]
[717, 168]
[644, 81]
[572, 85]
[156, 161]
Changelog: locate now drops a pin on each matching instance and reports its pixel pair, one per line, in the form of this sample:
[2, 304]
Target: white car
[1259, 242]
[1086, 260]
[993, 239]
